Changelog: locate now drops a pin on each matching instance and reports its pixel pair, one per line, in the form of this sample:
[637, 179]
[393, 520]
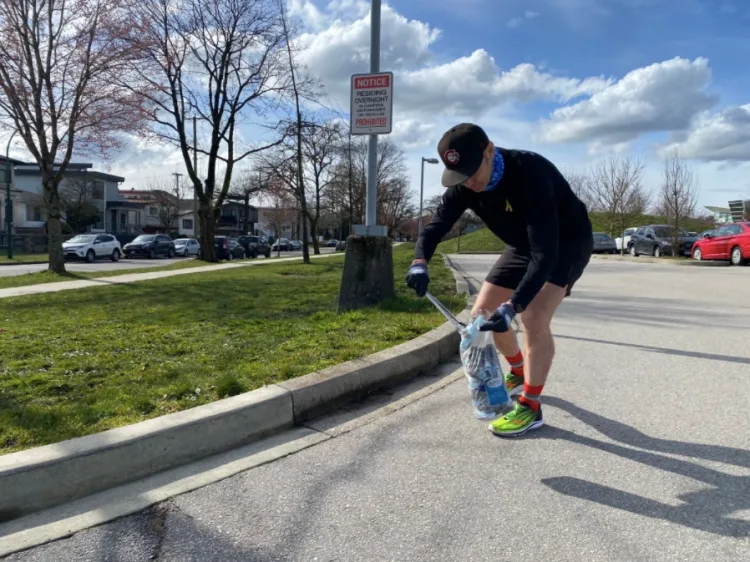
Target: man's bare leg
[538, 342]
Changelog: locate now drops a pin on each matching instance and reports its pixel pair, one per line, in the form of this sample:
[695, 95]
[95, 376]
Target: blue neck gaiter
[498, 166]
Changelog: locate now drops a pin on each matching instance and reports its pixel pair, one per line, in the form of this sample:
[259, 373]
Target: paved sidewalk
[645, 455]
[135, 277]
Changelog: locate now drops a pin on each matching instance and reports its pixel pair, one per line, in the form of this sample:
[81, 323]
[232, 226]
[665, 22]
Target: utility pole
[195, 167]
[177, 176]
[372, 153]
[8, 202]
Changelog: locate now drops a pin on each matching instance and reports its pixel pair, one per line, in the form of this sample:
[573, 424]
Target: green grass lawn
[82, 361]
[22, 258]
[483, 240]
[49, 277]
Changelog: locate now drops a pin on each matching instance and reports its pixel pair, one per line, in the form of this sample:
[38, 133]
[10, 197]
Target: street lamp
[421, 187]
[8, 202]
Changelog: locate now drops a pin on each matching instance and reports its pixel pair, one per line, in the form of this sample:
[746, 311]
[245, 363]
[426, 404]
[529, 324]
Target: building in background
[29, 212]
[720, 215]
[739, 210]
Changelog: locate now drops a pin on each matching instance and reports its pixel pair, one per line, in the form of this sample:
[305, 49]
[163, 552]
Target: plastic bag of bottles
[483, 372]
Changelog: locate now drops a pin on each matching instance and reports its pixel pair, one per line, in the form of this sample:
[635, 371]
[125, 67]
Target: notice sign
[372, 104]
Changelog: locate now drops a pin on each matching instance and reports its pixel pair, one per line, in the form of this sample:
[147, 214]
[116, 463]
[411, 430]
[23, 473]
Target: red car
[729, 242]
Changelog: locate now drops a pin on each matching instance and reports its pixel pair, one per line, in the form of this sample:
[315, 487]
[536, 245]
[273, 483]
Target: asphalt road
[107, 265]
[645, 454]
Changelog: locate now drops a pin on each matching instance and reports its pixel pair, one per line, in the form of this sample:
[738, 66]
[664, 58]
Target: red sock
[516, 364]
[531, 395]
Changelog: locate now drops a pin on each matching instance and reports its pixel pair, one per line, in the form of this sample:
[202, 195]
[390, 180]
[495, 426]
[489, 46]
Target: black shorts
[512, 265]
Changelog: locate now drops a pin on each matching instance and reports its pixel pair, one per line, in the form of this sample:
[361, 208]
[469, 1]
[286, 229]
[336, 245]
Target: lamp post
[421, 188]
[8, 202]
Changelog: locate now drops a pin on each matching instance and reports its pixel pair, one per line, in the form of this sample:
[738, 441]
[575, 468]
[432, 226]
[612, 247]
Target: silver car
[186, 247]
[604, 244]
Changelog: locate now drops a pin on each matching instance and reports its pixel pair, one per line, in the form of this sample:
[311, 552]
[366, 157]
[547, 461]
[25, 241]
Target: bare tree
[246, 185]
[395, 200]
[60, 63]
[616, 190]
[219, 62]
[280, 209]
[580, 183]
[77, 196]
[678, 195]
[320, 150]
[166, 195]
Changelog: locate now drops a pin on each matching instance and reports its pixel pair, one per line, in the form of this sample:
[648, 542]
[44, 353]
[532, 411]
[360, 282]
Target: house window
[97, 190]
[34, 213]
[153, 211]
[187, 224]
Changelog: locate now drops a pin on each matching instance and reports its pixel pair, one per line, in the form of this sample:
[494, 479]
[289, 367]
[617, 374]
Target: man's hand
[417, 277]
[500, 320]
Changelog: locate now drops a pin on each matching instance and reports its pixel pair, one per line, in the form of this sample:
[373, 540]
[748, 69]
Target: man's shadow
[707, 510]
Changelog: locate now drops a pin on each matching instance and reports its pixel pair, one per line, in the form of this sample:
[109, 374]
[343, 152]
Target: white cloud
[720, 137]
[517, 21]
[661, 97]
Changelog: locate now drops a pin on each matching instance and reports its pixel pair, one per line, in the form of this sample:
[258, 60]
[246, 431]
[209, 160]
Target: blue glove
[500, 320]
[418, 279]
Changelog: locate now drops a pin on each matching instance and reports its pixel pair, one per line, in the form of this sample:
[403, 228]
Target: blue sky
[572, 79]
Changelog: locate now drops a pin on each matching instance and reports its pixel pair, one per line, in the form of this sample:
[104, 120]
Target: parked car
[150, 246]
[332, 243]
[186, 247]
[604, 244]
[729, 242]
[254, 246]
[341, 246]
[228, 248]
[623, 241]
[656, 240]
[295, 245]
[90, 247]
[282, 244]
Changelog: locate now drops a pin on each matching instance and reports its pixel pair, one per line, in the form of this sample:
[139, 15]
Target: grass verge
[42, 277]
[481, 240]
[83, 361]
[23, 258]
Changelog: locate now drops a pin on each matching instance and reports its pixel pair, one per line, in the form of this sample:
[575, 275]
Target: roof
[718, 209]
[74, 170]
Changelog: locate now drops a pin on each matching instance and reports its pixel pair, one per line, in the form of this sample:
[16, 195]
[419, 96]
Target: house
[146, 211]
[232, 219]
[29, 212]
[720, 215]
[286, 220]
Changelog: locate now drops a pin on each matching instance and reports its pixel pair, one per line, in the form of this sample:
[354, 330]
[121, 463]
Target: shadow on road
[664, 350]
[645, 311]
[707, 510]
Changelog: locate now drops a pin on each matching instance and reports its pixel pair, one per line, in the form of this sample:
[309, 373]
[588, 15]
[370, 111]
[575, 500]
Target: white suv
[90, 247]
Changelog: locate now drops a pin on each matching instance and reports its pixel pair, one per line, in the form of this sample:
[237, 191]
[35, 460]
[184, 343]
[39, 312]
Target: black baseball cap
[461, 149]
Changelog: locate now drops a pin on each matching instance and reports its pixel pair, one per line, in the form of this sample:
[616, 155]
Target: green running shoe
[514, 384]
[517, 422]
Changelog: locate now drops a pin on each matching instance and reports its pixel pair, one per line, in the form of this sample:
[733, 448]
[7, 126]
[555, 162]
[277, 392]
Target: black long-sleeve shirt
[533, 209]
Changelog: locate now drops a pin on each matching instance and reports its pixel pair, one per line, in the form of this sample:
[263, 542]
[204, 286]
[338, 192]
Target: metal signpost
[371, 114]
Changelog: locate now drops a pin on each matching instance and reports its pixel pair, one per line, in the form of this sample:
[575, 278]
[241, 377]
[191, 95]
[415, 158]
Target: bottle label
[497, 394]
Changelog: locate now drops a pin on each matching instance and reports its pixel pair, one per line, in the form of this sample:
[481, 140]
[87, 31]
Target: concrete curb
[665, 261]
[54, 474]
[14, 264]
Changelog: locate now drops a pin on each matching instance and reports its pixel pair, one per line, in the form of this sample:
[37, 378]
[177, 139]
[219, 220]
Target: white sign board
[372, 104]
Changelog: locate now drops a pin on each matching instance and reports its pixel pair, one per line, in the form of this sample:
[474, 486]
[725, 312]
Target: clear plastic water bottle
[483, 372]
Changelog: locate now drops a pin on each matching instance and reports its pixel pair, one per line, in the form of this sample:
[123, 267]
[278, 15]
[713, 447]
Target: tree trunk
[54, 226]
[314, 233]
[206, 235]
